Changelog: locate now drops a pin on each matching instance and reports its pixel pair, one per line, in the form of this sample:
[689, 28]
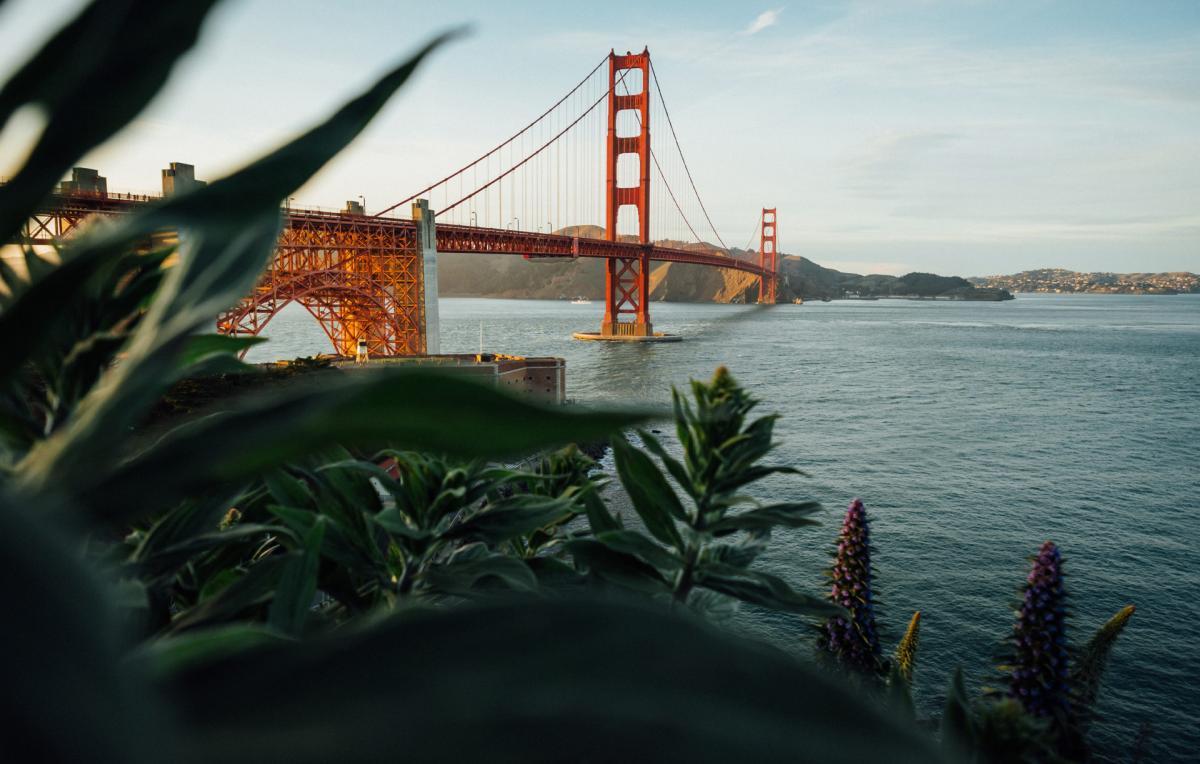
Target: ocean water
[973, 432]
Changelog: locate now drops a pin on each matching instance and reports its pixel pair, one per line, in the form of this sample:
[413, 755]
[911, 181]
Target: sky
[965, 138]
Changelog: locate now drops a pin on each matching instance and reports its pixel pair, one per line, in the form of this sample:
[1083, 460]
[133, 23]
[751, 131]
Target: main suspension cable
[525, 129]
[678, 148]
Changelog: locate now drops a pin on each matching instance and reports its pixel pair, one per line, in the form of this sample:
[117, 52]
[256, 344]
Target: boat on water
[581, 301]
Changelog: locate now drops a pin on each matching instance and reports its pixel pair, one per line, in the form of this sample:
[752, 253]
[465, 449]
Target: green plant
[708, 545]
[1044, 711]
[187, 536]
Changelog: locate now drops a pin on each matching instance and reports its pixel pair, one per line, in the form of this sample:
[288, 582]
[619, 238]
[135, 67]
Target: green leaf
[253, 589]
[634, 543]
[298, 585]
[462, 578]
[92, 78]
[171, 655]
[578, 680]
[167, 559]
[958, 726]
[67, 696]
[762, 589]
[616, 567]
[202, 347]
[652, 497]
[514, 517]
[787, 515]
[287, 490]
[419, 409]
[672, 464]
[229, 231]
[392, 521]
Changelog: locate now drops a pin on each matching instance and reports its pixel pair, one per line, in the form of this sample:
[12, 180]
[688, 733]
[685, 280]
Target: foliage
[339, 569]
[706, 545]
[161, 583]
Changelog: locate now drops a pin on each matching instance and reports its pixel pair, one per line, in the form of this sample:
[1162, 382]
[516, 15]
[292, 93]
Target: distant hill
[462, 275]
[1062, 280]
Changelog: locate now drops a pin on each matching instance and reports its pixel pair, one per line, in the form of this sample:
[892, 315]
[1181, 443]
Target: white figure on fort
[361, 355]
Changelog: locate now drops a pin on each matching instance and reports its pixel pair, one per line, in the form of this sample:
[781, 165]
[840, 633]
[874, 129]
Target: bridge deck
[450, 238]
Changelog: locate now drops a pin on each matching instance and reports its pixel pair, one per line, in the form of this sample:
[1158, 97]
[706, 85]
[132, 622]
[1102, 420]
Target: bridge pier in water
[627, 279]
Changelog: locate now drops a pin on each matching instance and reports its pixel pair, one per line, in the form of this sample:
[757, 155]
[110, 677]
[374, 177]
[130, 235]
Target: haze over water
[973, 432]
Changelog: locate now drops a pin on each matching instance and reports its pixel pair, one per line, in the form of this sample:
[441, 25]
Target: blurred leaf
[899, 694]
[229, 229]
[66, 696]
[605, 683]
[363, 408]
[170, 655]
[652, 497]
[958, 726]
[787, 515]
[92, 78]
[298, 585]
[201, 347]
[762, 589]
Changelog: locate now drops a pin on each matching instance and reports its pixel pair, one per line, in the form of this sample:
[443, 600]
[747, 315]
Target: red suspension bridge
[540, 194]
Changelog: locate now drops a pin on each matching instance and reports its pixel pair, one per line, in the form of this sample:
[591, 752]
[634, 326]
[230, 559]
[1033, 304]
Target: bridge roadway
[62, 212]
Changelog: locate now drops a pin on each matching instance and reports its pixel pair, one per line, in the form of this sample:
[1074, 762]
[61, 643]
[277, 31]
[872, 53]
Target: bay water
[973, 432]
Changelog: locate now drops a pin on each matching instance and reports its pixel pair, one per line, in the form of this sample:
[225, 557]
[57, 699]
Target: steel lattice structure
[363, 277]
[360, 277]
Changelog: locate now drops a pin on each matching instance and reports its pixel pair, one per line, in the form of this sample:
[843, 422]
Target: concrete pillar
[427, 244]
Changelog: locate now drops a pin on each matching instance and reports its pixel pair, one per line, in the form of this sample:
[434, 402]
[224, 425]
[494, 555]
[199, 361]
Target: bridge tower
[768, 257]
[627, 280]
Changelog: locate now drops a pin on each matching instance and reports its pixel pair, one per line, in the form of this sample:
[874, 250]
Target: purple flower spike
[1039, 676]
[854, 642]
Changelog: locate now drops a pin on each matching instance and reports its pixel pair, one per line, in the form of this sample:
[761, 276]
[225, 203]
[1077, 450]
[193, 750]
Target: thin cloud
[764, 20]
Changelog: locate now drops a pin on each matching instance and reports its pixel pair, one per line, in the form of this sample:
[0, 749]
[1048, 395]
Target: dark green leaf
[366, 409]
[652, 496]
[201, 347]
[171, 655]
[253, 589]
[563, 681]
[462, 578]
[298, 585]
[515, 517]
[787, 515]
[616, 567]
[958, 728]
[634, 543]
[762, 589]
[93, 77]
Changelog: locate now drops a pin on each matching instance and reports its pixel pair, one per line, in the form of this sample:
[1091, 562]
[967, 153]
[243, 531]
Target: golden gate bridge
[538, 194]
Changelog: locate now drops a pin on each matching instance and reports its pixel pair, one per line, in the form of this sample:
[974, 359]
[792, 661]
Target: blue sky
[960, 137]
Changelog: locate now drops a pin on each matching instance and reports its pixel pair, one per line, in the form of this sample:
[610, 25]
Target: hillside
[1061, 280]
[559, 278]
